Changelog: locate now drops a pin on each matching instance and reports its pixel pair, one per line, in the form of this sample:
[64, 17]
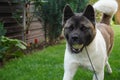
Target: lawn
[48, 64]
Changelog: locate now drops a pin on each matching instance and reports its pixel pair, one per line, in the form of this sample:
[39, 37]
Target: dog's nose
[75, 38]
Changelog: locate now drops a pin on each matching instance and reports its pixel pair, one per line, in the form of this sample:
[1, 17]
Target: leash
[91, 63]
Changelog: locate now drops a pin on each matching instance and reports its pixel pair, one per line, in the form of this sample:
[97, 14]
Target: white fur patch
[108, 7]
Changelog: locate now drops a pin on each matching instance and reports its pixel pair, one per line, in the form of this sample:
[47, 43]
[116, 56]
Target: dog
[83, 34]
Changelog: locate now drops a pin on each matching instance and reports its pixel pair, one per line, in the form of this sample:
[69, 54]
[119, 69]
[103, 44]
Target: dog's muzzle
[76, 44]
[77, 48]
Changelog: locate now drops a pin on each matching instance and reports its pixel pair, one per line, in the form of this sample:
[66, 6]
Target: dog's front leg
[69, 71]
[100, 76]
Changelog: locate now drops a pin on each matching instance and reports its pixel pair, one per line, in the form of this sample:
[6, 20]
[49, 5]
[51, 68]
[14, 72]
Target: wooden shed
[7, 9]
[18, 28]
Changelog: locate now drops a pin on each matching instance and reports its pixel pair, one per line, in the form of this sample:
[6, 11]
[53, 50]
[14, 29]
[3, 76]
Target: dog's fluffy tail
[108, 8]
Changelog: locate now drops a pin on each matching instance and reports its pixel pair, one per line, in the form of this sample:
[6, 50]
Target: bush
[50, 12]
[77, 5]
[9, 48]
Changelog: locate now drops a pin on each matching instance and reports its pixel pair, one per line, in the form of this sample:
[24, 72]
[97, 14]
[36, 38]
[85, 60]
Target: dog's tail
[108, 8]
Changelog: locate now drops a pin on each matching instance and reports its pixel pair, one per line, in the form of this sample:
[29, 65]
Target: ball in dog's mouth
[76, 48]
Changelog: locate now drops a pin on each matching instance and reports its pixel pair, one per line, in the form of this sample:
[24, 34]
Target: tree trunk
[117, 15]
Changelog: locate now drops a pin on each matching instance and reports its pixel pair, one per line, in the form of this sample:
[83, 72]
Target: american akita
[81, 31]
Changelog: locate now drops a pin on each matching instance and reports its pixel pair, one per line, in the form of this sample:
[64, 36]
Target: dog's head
[79, 29]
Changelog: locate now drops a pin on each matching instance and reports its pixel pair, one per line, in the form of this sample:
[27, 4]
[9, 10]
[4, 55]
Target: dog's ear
[67, 13]
[90, 14]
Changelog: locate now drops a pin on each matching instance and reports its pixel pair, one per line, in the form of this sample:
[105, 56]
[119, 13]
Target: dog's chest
[82, 59]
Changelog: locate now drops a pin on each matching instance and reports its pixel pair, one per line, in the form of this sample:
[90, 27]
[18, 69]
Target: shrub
[77, 5]
[50, 12]
[9, 48]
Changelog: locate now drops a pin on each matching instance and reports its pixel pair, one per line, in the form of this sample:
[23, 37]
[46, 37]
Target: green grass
[48, 64]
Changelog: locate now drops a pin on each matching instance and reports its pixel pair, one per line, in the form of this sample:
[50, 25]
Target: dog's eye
[83, 28]
[71, 28]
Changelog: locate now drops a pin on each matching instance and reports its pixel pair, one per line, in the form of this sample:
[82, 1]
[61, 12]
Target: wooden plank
[17, 36]
[10, 20]
[36, 37]
[13, 29]
[10, 32]
[3, 0]
[35, 25]
[36, 32]
[40, 29]
[5, 9]
[12, 1]
[11, 26]
[13, 34]
[4, 4]
[10, 9]
[35, 19]
[5, 15]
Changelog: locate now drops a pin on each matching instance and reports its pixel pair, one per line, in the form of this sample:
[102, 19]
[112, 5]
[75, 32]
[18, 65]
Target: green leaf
[21, 46]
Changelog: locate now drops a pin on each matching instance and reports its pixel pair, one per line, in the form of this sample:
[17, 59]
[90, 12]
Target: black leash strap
[91, 63]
